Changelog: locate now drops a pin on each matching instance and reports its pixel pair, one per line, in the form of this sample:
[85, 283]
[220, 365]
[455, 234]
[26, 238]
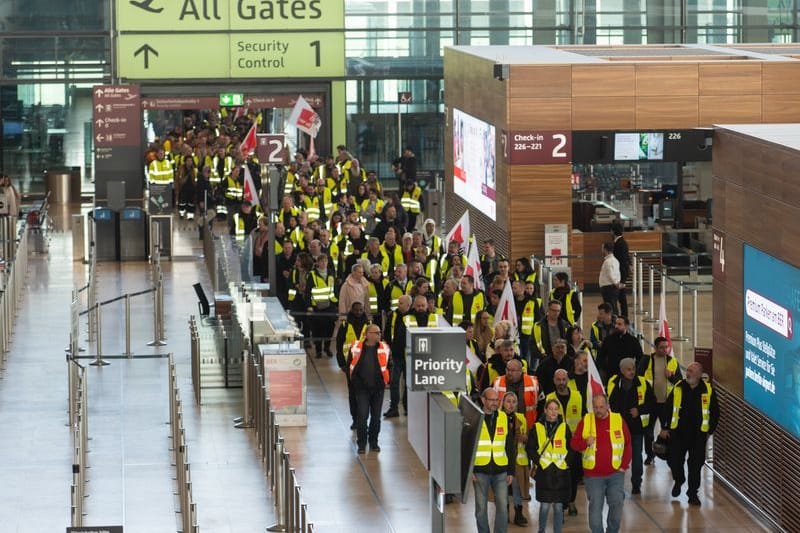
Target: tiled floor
[130, 480]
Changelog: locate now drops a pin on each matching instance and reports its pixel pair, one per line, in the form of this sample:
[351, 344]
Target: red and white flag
[250, 193]
[506, 309]
[240, 112]
[473, 361]
[474, 264]
[663, 325]
[305, 118]
[248, 145]
[594, 385]
[460, 232]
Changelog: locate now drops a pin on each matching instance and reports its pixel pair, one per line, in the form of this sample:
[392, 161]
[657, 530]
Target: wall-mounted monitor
[771, 294]
[639, 146]
[474, 162]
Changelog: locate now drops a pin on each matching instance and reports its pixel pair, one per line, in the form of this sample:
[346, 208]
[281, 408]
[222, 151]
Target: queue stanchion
[245, 420]
[681, 337]
[694, 316]
[651, 318]
[98, 361]
[278, 489]
[642, 310]
[128, 350]
[156, 337]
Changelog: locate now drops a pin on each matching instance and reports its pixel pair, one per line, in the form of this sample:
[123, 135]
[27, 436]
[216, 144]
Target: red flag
[594, 385]
[250, 193]
[305, 118]
[474, 264]
[460, 232]
[506, 309]
[663, 325]
[248, 145]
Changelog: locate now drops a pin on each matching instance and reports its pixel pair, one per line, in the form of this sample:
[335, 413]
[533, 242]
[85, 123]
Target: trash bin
[132, 234]
[57, 183]
[106, 234]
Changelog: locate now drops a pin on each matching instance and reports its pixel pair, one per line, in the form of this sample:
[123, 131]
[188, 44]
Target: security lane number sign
[230, 38]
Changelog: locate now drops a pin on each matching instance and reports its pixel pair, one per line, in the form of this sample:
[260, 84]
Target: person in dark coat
[550, 456]
[616, 347]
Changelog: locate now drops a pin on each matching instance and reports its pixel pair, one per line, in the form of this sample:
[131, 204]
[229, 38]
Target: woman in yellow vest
[517, 430]
[549, 453]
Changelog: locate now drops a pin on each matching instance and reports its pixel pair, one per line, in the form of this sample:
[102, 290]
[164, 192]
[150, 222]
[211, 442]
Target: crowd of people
[358, 266]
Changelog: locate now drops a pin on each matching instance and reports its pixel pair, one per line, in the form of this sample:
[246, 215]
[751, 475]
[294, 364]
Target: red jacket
[602, 467]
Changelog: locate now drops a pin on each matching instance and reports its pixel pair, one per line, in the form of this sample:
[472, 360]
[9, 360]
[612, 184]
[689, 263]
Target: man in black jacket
[616, 347]
[622, 255]
[395, 335]
[350, 330]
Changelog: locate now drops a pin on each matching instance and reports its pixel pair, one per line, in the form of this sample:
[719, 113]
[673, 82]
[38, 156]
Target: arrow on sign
[98, 93]
[99, 122]
[146, 5]
[147, 50]
[99, 108]
[100, 138]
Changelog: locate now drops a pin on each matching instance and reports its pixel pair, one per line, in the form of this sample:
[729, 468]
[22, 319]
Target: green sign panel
[228, 15]
[222, 55]
[229, 99]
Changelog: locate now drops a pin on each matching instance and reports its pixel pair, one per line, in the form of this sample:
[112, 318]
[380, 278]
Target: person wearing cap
[632, 397]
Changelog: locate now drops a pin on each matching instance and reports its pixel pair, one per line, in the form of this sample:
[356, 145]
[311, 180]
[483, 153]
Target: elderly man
[603, 439]
[691, 413]
[494, 464]
[369, 375]
[632, 397]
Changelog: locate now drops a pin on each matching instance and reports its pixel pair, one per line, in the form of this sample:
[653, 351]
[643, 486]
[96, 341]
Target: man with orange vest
[369, 376]
[603, 439]
[525, 386]
[350, 330]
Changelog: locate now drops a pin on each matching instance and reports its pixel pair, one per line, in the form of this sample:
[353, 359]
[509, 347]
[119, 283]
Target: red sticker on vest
[640, 396]
[574, 410]
[618, 434]
[704, 398]
[557, 443]
[500, 431]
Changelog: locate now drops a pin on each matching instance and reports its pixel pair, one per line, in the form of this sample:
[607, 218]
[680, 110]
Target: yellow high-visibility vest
[493, 447]
[556, 451]
[705, 407]
[574, 407]
[641, 391]
[615, 433]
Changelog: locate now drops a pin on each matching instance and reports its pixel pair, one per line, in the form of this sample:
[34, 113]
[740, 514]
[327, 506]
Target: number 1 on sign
[315, 45]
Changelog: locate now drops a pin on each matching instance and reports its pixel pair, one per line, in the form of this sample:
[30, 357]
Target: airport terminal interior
[154, 377]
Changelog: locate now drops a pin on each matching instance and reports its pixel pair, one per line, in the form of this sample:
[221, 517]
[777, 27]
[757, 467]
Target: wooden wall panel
[667, 80]
[781, 77]
[603, 80]
[540, 113]
[540, 81]
[666, 112]
[603, 113]
[587, 270]
[731, 78]
[738, 109]
[780, 108]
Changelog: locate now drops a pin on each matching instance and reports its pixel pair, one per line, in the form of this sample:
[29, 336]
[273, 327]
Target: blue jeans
[637, 444]
[599, 490]
[500, 488]
[516, 493]
[558, 516]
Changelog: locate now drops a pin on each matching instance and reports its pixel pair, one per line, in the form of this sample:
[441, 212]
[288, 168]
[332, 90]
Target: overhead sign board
[172, 16]
[538, 147]
[436, 360]
[194, 39]
[222, 55]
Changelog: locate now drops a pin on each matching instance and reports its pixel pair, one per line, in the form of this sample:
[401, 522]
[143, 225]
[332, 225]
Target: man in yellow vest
[412, 202]
[494, 464]
[603, 439]
[395, 335]
[321, 297]
[662, 371]
[632, 397]
[691, 415]
[369, 376]
[468, 301]
[350, 330]
[572, 409]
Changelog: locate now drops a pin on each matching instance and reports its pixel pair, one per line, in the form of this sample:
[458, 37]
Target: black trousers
[369, 403]
[351, 396]
[695, 446]
[650, 431]
[322, 329]
[622, 297]
[398, 371]
[610, 294]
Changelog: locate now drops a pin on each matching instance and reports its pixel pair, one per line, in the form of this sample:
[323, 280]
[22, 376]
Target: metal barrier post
[279, 489]
[641, 310]
[652, 315]
[161, 336]
[694, 317]
[580, 300]
[128, 351]
[98, 361]
[156, 337]
[681, 337]
[635, 287]
[246, 420]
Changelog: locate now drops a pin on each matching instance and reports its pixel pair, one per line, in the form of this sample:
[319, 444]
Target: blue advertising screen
[771, 350]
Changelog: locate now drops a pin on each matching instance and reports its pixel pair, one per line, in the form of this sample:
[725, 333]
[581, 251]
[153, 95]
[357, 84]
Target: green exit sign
[229, 99]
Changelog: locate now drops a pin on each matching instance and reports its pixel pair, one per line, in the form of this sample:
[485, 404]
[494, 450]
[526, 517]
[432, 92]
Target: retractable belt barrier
[12, 278]
[79, 430]
[188, 508]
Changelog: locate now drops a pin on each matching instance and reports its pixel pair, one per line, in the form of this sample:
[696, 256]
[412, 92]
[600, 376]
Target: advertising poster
[771, 350]
[474, 162]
